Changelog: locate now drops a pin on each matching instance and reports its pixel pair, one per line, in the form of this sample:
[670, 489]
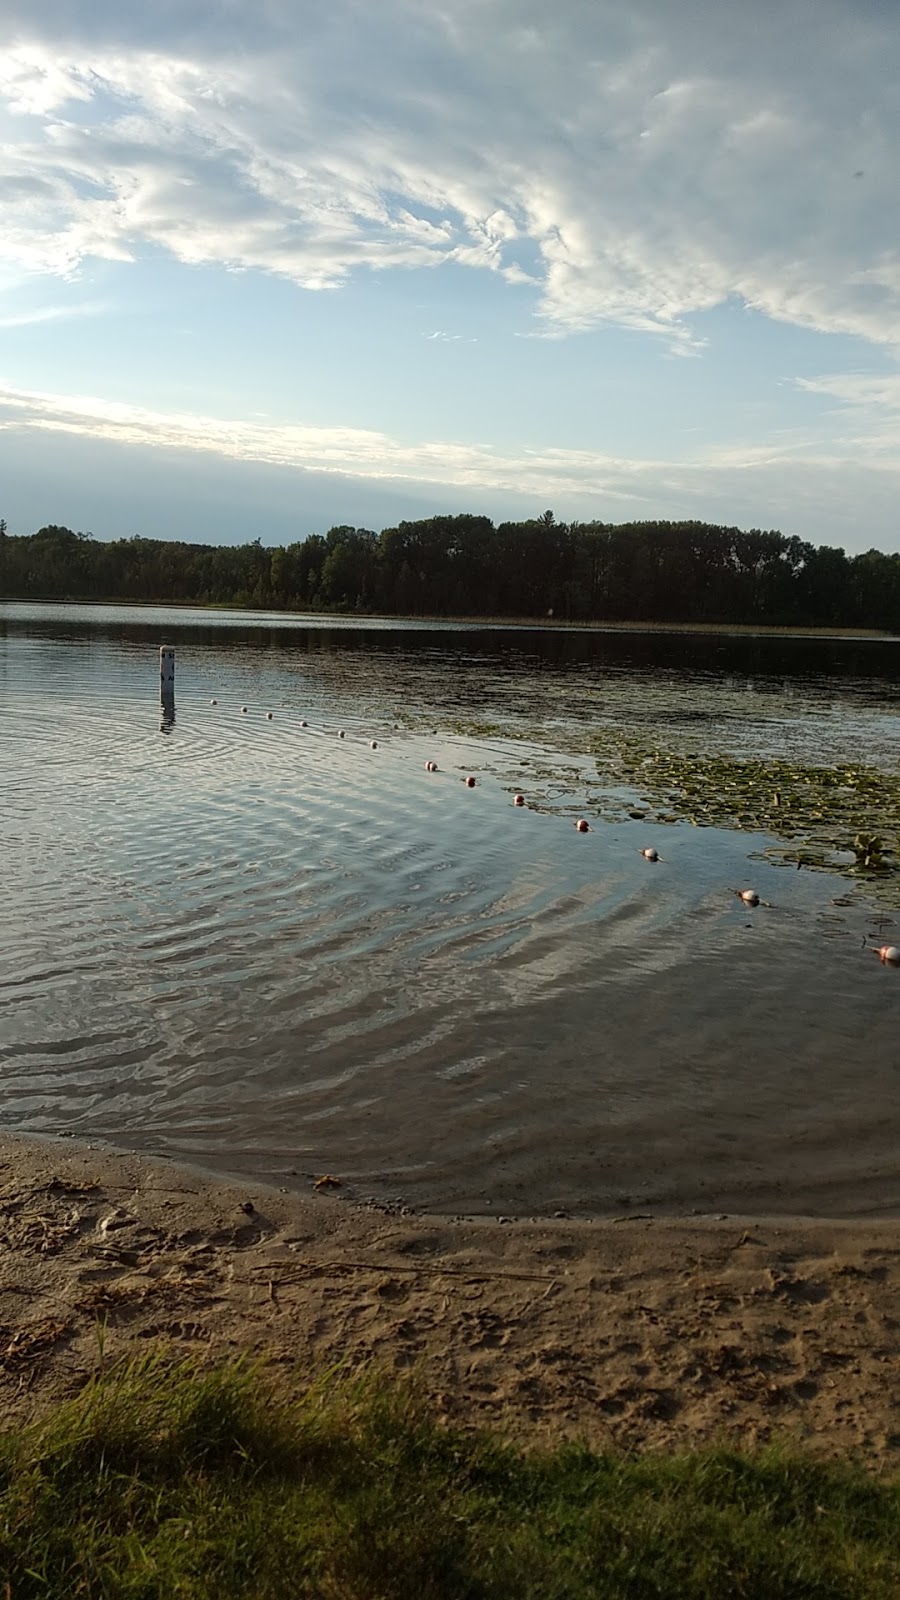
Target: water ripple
[258, 945]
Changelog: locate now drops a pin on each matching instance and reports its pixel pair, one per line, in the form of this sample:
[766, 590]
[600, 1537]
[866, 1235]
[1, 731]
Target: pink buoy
[518, 799]
[583, 826]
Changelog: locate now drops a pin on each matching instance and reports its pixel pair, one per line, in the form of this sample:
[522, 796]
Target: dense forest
[464, 566]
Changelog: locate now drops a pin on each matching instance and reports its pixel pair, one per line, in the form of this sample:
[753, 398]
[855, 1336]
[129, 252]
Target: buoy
[518, 799]
[303, 724]
[374, 745]
[470, 782]
[650, 853]
[583, 826]
[341, 734]
[431, 766]
[214, 702]
[243, 708]
[889, 955]
[749, 896]
[268, 716]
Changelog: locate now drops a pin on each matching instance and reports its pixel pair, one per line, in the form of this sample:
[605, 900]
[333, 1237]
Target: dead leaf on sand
[25, 1346]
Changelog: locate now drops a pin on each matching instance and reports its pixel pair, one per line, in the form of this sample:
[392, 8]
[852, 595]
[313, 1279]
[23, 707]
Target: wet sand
[637, 1332]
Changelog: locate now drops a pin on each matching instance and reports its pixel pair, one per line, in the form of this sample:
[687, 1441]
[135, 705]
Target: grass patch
[179, 1481]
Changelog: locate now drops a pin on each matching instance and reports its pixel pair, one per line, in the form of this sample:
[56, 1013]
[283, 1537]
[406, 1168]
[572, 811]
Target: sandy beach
[636, 1332]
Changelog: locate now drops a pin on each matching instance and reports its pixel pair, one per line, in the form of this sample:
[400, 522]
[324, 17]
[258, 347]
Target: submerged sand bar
[637, 1332]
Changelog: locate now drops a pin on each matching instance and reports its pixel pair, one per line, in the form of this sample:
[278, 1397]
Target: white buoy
[889, 955]
[431, 766]
[650, 853]
[749, 897]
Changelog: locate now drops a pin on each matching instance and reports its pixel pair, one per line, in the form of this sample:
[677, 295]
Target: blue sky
[265, 270]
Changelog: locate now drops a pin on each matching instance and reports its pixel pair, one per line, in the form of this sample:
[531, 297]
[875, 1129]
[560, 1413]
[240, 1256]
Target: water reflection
[319, 956]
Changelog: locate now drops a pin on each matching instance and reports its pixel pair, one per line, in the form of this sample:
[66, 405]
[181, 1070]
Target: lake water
[253, 945]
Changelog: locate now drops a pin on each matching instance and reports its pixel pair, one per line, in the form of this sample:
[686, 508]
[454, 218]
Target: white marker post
[167, 684]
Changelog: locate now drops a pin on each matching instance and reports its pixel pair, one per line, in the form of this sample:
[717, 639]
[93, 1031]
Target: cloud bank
[794, 483]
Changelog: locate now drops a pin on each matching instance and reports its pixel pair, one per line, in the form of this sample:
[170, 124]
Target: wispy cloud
[866, 413]
[43, 314]
[585, 150]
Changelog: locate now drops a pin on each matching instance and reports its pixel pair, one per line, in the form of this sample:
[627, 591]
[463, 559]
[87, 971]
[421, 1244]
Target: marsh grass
[181, 1481]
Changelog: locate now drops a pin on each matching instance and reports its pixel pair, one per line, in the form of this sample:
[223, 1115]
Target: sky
[266, 269]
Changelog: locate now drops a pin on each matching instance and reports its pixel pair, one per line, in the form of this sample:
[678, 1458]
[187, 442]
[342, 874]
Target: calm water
[254, 945]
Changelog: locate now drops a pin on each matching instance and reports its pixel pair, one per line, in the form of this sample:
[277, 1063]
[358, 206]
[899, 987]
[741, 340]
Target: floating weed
[841, 818]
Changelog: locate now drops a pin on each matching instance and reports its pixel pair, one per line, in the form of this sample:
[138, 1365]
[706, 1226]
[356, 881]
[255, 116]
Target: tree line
[465, 566]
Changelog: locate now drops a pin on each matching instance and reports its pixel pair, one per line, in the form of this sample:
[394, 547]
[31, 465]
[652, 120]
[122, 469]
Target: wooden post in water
[167, 685]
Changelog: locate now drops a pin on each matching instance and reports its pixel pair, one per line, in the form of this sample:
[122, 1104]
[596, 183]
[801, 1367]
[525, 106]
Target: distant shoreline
[495, 624]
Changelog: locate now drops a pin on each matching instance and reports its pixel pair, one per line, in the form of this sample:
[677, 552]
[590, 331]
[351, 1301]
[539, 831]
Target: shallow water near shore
[254, 945]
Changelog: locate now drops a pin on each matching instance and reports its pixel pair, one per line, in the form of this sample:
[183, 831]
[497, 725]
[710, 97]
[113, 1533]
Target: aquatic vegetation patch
[844, 817]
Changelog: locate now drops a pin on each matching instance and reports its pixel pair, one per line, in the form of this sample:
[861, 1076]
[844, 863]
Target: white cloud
[353, 451]
[878, 392]
[639, 164]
